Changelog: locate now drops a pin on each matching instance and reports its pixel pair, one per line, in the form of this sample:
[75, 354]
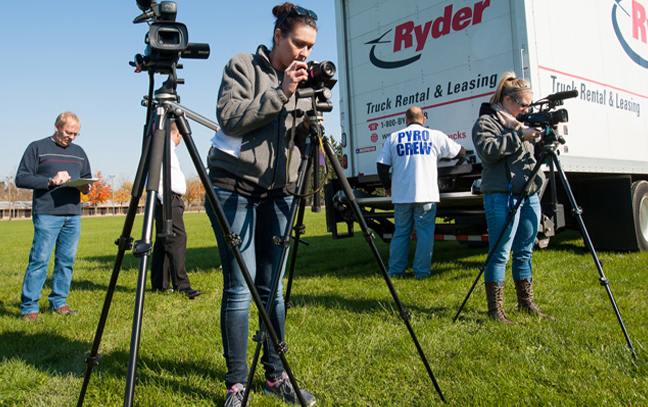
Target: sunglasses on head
[300, 11]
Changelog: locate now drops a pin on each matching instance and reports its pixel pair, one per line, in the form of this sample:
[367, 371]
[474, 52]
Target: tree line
[101, 192]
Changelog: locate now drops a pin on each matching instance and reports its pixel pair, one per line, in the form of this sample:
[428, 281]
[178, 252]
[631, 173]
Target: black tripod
[155, 150]
[308, 165]
[549, 154]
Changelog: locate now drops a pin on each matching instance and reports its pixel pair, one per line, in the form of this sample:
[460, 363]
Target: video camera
[548, 118]
[545, 116]
[167, 40]
[319, 84]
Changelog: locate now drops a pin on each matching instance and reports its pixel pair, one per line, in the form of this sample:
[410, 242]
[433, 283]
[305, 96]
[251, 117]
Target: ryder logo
[630, 22]
[412, 37]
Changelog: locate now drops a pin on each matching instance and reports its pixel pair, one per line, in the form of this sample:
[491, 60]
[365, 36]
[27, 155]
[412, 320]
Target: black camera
[548, 117]
[319, 84]
[320, 74]
[167, 40]
[544, 118]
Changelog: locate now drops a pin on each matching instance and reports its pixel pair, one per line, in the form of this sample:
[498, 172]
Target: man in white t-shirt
[412, 155]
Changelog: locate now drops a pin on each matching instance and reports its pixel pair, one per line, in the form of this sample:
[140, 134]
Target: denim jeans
[423, 215]
[49, 231]
[518, 237]
[256, 222]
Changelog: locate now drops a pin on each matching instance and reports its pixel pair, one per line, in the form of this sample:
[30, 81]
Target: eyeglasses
[524, 106]
[300, 11]
[70, 134]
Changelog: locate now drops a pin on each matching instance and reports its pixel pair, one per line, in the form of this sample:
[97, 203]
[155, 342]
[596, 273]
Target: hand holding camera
[294, 75]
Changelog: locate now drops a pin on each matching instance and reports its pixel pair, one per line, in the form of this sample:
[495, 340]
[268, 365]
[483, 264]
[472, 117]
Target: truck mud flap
[607, 211]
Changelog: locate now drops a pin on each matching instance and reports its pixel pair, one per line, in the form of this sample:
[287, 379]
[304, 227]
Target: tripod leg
[472, 288]
[142, 248]
[124, 242]
[330, 154]
[233, 243]
[299, 226]
[577, 211]
[302, 188]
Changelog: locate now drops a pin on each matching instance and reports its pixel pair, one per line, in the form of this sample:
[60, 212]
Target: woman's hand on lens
[296, 72]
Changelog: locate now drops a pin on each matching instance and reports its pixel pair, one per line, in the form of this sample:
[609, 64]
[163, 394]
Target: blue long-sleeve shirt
[42, 160]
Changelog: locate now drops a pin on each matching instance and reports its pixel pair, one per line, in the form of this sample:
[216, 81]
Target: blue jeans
[423, 215]
[50, 230]
[518, 237]
[256, 222]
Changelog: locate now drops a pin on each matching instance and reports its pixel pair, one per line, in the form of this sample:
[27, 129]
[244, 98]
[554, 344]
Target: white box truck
[447, 57]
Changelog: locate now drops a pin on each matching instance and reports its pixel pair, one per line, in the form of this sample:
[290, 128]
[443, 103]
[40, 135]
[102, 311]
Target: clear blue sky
[73, 55]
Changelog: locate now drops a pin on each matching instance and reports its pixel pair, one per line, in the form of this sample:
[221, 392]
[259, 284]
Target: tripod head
[168, 90]
[319, 85]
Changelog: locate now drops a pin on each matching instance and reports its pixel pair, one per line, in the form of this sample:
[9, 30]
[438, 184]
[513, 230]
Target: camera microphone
[556, 97]
[562, 95]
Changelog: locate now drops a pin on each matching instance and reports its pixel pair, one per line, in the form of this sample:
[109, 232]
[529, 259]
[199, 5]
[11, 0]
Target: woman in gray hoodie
[506, 149]
[252, 163]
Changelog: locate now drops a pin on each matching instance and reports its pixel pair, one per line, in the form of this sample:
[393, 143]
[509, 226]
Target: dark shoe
[190, 293]
[524, 291]
[234, 396]
[495, 298]
[65, 310]
[31, 317]
[283, 389]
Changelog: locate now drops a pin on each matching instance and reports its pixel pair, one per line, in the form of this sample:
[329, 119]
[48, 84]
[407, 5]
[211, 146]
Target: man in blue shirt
[56, 213]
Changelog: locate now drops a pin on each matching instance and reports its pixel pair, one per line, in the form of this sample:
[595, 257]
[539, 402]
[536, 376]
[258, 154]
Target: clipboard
[79, 182]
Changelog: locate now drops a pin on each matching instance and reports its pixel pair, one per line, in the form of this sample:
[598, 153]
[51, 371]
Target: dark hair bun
[282, 9]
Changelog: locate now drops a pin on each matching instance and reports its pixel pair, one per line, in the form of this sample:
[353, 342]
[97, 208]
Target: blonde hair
[509, 85]
[63, 118]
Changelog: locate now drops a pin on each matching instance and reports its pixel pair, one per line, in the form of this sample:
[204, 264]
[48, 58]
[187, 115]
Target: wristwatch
[50, 182]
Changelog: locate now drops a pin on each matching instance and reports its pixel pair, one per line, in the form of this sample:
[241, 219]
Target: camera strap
[510, 203]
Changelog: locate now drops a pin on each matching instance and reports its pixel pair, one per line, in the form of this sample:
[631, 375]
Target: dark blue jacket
[41, 161]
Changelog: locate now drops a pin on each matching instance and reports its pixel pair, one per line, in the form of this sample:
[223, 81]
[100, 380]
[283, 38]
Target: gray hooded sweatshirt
[251, 105]
[505, 157]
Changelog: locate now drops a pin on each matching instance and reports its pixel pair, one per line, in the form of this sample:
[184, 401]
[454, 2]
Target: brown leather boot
[524, 291]
[495, 297]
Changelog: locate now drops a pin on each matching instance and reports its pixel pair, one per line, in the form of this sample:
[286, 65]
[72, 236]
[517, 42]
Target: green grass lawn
[348, 344]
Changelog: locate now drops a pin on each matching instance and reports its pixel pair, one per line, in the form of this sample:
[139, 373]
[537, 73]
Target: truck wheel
[640, 213]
